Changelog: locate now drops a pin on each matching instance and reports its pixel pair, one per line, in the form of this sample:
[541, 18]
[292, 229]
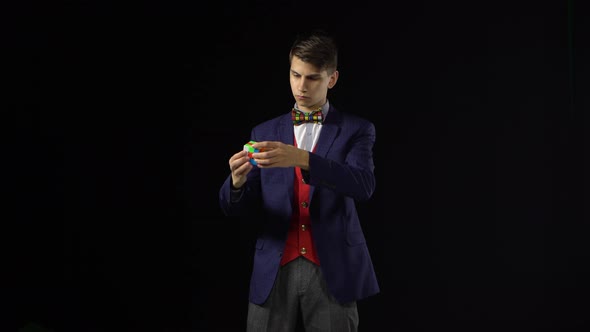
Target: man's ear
[333, 79]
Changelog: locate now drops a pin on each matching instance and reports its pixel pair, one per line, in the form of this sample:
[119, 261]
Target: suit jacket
[340, 173]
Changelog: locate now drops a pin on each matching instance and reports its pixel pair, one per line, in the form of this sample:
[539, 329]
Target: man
[311, 258]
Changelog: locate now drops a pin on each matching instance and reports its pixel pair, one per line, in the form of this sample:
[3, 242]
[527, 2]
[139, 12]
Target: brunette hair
[316, 47]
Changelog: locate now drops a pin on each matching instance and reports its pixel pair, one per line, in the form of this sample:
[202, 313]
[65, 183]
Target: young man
[311, 258]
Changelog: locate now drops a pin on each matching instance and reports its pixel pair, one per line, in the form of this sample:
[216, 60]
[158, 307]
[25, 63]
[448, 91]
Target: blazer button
[304, 204]
[303, 251]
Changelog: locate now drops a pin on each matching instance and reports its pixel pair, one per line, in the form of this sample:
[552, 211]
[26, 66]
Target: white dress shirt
[307, 134]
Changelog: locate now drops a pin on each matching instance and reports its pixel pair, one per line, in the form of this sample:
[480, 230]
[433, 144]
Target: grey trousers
[300, 288]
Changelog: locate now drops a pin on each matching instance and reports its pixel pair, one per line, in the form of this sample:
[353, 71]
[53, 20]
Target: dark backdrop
[122, 118]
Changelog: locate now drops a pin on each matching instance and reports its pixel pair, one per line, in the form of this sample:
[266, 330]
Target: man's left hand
[279, 154]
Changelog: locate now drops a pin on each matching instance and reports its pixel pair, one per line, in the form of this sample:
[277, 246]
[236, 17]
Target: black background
[122, 118]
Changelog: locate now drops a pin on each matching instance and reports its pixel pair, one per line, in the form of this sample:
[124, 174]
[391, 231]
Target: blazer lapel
[286, 133]
[330, 130]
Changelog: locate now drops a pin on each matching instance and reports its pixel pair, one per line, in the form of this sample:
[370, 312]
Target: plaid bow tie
[299, 117]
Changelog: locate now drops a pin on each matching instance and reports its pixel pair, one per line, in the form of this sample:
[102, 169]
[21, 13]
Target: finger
[235, 164]
[235, 157]
[262, 155]
[239, 155]
[264, 159]
[265, 145]
[266, 163]
[243, 169]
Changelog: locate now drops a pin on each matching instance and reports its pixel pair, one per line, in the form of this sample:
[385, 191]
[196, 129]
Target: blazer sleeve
[355, 176]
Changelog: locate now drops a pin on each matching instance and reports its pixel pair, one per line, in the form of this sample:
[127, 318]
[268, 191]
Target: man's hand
[278, 154]
[240, 166]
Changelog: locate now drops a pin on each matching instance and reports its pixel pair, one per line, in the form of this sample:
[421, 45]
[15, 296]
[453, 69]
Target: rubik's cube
[248, 147]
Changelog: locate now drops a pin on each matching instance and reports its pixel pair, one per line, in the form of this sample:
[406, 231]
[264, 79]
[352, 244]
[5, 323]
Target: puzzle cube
[248, 147]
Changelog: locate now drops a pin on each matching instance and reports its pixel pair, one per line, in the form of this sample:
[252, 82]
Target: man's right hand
[240, 166]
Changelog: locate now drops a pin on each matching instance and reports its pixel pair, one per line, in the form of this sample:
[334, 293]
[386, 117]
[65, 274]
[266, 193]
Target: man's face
[309, 84]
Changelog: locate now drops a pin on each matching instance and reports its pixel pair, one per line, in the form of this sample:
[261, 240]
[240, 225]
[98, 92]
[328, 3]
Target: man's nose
[302, 85]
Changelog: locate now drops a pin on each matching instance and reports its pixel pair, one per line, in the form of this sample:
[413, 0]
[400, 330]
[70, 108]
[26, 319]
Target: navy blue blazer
[341, 171]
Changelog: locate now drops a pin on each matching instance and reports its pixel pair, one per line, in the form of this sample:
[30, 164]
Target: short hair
[316, 47]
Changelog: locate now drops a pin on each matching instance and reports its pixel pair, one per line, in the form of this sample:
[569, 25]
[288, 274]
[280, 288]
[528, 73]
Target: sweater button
[304, 204]
[303, 251]
[303, 227]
